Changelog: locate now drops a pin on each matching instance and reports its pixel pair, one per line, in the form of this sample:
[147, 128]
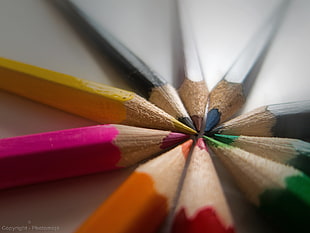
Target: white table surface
[35, 32]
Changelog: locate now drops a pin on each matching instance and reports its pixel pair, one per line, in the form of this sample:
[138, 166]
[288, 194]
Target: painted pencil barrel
[280, 192]
[85, 98]
[66, 153]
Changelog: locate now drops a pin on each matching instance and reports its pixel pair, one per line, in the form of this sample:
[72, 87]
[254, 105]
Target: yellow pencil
[85, 98]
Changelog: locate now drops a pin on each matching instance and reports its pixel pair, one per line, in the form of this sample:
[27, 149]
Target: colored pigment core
[227, 139]
[205, 220]
[215, 143]
[186, 146]
[213, 119]
[288, 208]
[200, 143]
[187, 121]
[173, 139]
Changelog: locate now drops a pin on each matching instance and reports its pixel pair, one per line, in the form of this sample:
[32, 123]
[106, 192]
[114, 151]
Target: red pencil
[202, 206]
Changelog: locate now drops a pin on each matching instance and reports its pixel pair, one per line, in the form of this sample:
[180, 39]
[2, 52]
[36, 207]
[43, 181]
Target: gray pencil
[290, 120]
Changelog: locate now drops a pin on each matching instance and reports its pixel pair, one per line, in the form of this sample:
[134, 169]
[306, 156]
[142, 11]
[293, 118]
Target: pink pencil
[55, 155]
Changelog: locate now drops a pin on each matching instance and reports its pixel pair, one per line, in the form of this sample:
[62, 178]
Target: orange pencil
[141, 203]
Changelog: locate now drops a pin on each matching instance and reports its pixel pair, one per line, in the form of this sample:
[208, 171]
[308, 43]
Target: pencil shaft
[230, 93]
[206, 208]
[85, 98]
[60, 154]
[134, 68]
[292, 119]
[193, 89]
[140, 75]
[281, 120]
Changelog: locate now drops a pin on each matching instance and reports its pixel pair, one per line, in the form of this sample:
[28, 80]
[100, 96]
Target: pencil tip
[186, 146]
[197, 121]
[213, 118]
[227, 139]
[216, 130]
[201, 144]
[187, 121]
[173, 139]
[182, 127]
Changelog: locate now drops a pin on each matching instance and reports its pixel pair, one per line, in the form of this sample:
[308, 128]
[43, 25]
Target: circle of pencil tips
[202, 206]
[279, 191]
[262, 166]
[142, 202]
[72, 152]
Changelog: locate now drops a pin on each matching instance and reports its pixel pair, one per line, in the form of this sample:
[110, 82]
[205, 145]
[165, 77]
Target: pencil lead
[197, 121]
[179, 126]
[173, 139]
[213, 118]
[187, 121]
[227, 139]
[215, 130]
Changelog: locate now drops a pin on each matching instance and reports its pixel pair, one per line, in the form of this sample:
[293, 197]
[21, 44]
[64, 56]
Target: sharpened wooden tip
[197, 121]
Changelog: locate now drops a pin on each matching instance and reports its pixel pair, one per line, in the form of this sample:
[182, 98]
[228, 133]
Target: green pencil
[280, 192]
[288, 151]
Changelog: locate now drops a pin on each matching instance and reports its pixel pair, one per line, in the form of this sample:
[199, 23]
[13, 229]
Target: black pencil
[291, 120]
[229, 94]
[149, 83]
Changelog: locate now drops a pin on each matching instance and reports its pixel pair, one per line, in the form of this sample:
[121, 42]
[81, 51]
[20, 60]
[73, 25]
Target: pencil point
[216, 130]
[213, 118]
[197, 121]
[200, 143]
[187, 121]
[186, 147]
[182, 127]
[173, 139]
[227, 139]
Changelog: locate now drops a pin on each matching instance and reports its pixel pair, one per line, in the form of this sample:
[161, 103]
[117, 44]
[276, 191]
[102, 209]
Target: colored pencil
[230, 93]
[202, 206]
[193, 89]
[141, 203]
[72, 152]
[293, 152]
[279, 191]
[289, 120]
[85, 98]
[149, 83]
